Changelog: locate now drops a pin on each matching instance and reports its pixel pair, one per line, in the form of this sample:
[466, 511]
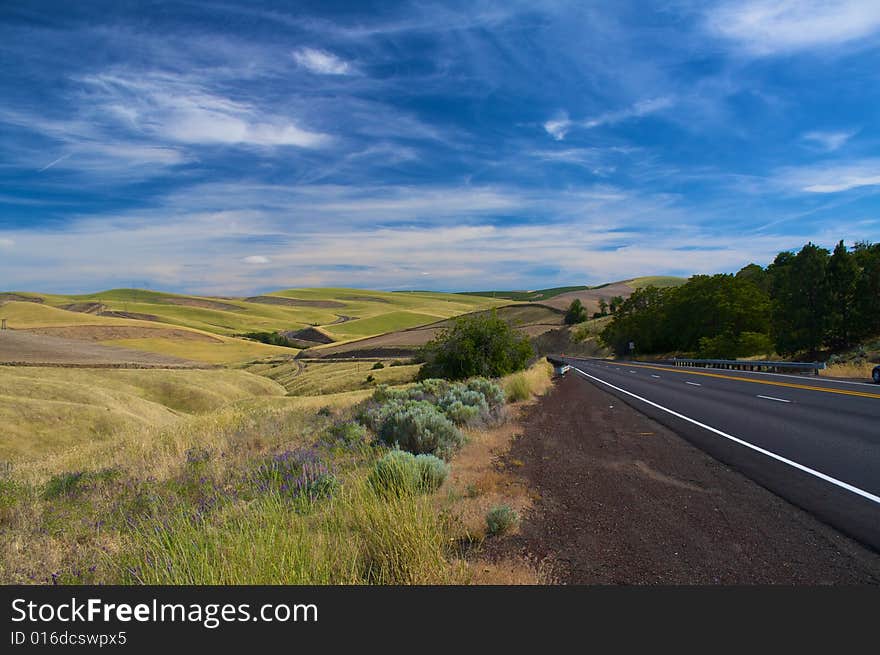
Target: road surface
[813, 441]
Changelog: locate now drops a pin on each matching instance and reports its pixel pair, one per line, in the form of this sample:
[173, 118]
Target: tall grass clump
[400, 473]
[518, 388]
[294, 474]
[356, 537]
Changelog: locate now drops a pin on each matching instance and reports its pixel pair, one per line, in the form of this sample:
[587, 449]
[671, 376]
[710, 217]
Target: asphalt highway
[813, 441]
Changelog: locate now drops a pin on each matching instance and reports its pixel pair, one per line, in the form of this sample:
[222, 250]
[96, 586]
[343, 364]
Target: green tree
[638, 319]
[756, 275]
[576, 312]
[799, 287]
[866, 319]
[603, 307]
[843, 277]
[477, 345]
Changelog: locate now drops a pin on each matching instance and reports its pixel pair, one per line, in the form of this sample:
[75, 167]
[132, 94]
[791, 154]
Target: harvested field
[590, 297]
[132, 315]
[204, 303]
[115, 332]
[533, 319]
[17, 297]
[310, 334]
[295, 302]
[28, 348]
[84, 307]
[365, 299]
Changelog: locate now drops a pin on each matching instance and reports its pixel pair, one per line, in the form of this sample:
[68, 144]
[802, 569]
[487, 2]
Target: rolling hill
[606, 290]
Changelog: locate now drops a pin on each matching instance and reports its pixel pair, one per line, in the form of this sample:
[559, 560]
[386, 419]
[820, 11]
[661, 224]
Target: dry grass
[478, 482]
[532, 382]
[316, 378]
[54, 410]
[860, 370]
[156, 451]
[103, 534]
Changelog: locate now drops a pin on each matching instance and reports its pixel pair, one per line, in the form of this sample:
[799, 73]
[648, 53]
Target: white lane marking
[779, 400]
[768, 453]
[693, 384]
[794, 376]
[655, 376]
[632, 371]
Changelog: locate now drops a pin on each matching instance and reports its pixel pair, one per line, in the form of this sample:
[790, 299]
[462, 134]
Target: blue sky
[232, 147]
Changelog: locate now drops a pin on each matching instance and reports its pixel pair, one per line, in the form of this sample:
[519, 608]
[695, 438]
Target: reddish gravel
[624, 500]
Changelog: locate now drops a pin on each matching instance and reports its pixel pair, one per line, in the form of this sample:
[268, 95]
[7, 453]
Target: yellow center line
[792, 385]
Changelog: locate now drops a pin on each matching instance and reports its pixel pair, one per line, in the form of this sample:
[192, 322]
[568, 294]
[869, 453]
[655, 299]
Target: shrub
[400, 473]
[348, 434]
[729, 346]
[479, 344]
[463, 405]
[433, 387]
[419, 427]
[461, 414]
[501, 519]
[518, 388]
[493, 394]
[373, 415]
[271, 338]
[382, 393]
[370, 379]
[63, 484]
[317, 485]
[377, 366]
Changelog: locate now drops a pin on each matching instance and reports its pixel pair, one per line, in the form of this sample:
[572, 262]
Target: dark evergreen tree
[576, 313]
[843, 278]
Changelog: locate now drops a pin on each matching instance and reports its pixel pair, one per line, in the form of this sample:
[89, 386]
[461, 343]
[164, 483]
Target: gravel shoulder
[620, 499]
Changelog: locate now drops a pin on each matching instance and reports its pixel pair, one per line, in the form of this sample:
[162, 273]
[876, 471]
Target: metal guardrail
[559, 366]
[749, 365]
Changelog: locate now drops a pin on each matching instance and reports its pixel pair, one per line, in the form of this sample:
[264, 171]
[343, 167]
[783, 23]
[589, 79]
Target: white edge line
[655, 376]
[780, 458]
[779, 400]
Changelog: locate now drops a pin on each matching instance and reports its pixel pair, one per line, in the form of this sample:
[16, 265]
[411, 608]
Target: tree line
[804, 303]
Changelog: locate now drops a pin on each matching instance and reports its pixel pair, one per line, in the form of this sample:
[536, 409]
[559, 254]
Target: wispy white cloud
[6, 243]
[828, 141]
[831, 177]
[57, 160]
[559, 126]
[321, 62]
[201, 252]
[766, 27]
[178, 109]
[638, 110]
